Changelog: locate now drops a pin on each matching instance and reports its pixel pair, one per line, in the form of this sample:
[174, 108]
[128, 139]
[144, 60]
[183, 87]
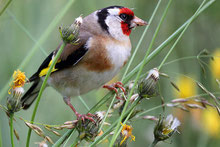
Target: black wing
[71, 60]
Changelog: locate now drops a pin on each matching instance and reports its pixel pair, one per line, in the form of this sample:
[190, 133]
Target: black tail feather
[31, 94]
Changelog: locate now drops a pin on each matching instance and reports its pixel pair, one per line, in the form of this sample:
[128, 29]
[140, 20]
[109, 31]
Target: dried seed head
[87, 129]
[16, 135]
[48, 128]
[181, 100]
[70, 122]
[56, 133]
[68, 126]
[177, 105]
[195, 106]
[70, 34]
[13, 105]
[204, 102]
[118, 104]
[100, 114]
[49, 139]
[147, 86]
[149, 117]
[37, 128]
[58, 128]
[29, 125]
[78, 21]
[134, 97]
[172, 105]
[41, 134]
[129, 86]
[166, 127]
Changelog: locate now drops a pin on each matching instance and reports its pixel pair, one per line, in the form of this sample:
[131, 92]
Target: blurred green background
[36, 15]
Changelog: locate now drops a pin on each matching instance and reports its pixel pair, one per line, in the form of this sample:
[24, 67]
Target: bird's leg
[78, 115]
[114, 86]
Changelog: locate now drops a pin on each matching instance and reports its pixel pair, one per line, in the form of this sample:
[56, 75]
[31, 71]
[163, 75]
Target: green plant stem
[141, 40]
[153, 144]
[84, 103]
[107, 112]
[76, 142]
[149, 110]
[12, 129]
[42, 89]
[117, 131]
[5, 7]
[150, 57]
[0, 136]
[187, 58]
[63, 138]
[180, 36]
[42, 39]
[67, 140]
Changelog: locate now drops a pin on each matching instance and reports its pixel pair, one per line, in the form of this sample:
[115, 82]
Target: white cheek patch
[114, 28]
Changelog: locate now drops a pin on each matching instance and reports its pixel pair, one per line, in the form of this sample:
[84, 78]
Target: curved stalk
[42, 89]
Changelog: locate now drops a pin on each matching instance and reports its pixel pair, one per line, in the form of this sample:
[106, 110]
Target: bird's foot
[114, 87]
[87, 116]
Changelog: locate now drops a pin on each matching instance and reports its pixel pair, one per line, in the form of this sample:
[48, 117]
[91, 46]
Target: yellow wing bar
[45, 70]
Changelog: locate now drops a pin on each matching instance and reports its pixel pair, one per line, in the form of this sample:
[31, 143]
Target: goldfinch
[103, 49]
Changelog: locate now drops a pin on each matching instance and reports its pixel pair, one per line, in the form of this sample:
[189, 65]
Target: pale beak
[137, 22]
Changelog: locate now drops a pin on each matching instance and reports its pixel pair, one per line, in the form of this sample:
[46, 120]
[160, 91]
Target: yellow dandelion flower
[19, 80]
[215, 64]
[127, 132]
[211, 121]
[186, 86]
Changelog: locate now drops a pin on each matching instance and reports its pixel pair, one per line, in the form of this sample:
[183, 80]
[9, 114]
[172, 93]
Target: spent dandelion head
[147, 86]
[166, 127]
[89, 130]
[70, 34]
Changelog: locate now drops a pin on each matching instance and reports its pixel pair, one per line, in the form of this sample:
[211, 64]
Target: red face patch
[126, 11]
[125, 26]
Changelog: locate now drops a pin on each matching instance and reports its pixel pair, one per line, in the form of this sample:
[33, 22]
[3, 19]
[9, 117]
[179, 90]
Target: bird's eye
[123, 16]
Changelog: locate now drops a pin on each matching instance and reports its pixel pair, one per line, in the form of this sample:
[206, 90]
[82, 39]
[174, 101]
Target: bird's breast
[106, 54]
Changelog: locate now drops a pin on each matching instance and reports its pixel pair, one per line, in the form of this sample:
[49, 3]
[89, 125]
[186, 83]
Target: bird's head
[118, 21]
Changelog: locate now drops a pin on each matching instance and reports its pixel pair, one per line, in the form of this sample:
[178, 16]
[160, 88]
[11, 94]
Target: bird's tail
[31, 94]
